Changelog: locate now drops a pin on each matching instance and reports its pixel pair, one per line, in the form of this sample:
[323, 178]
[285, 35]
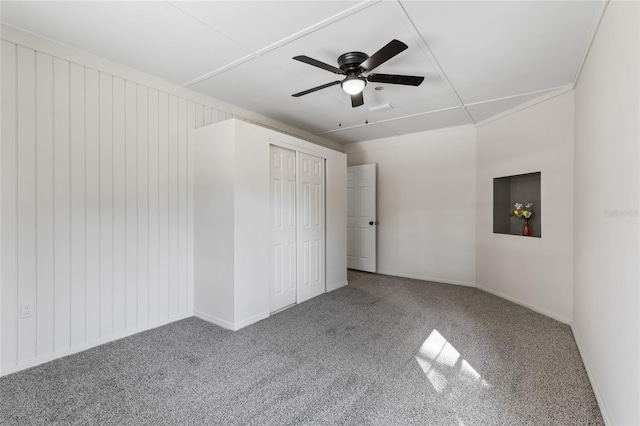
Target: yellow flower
[515, 212]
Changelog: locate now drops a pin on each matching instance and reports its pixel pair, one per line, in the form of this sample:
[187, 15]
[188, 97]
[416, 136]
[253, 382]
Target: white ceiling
[479, 58]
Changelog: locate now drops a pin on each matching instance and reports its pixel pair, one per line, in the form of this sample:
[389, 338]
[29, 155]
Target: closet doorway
[297, 186]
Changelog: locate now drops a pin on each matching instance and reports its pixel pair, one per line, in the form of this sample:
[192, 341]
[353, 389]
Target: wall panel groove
[62, 206]
[9, 241]
[26, 198]
[173, 206]
[92, 205]
[142, 206]
[119, 209]
[99, 232]
[44, 204]
[77, 191]
[106, 205]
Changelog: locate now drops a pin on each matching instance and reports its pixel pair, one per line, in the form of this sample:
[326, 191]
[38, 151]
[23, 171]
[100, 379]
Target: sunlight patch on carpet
[444, 366]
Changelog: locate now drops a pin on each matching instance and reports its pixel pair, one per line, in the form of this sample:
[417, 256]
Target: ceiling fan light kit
[354, 64]
[353, 85]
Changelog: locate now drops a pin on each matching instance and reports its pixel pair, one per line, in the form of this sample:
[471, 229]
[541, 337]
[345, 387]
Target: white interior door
[361, 217]
[282, 283]
[311, 227]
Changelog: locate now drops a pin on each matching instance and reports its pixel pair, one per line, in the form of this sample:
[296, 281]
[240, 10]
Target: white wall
[214, 244]
[252, 226]
[97, 217]
[534, 272]
[426, 203]
[606, 249]
[336, 220]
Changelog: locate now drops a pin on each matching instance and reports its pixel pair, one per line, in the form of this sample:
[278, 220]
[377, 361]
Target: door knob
[371, 223]
[374, 223]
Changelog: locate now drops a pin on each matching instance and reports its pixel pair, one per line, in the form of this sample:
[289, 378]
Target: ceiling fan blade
[315, 89]
[383, 55]
[357, 100]
[317, 63]
[407, 80]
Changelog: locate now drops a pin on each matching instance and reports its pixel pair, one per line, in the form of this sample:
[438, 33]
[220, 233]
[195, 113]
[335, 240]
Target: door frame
[359, 223]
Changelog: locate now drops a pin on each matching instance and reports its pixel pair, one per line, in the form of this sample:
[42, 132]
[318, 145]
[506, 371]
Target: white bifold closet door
[282, 283]
[311, 226]
[297, 227]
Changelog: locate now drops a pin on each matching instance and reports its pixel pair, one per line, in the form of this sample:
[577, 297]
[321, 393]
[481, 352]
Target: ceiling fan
[354, 64]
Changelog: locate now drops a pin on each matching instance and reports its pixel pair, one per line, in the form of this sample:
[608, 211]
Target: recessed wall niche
[509, 190]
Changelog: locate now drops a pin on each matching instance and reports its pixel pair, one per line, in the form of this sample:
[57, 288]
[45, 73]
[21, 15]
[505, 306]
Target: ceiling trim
[246, 52]
[541, 91]
[258, 53]
[315, 27]
[431, 57]
[514, 96]
[88, 60]
[220, 70]
[456, 133]
[195, 18]
[339, 129]
[386, 120]
[595, 25]
[543, 98]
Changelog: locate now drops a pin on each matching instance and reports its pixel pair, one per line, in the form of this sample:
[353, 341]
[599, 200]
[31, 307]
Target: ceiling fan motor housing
[350, 62]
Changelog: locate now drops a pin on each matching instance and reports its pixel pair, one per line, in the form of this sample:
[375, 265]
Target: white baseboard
[214, 320]
[606, 416]
[331, 287]
[248, 321]
[479, 287]
[425, 278]
[526, 305]
[233, 326]
[34, 362]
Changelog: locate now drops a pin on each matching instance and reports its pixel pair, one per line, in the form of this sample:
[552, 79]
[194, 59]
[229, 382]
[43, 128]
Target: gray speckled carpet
[384, 351]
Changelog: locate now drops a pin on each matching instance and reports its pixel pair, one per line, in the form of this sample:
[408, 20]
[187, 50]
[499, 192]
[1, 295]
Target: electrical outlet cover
[26, 310]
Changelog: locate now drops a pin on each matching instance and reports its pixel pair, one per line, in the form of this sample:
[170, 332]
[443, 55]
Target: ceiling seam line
[344, 128]
[284, 70]
[519, 108]
[316, 27]
[210, 27]
[488, 120]
[431, 57]
[514, 96]
[592, 36]
[387, 120]
[229, 66]
[220, 70]
[260, 52]
[331, 20]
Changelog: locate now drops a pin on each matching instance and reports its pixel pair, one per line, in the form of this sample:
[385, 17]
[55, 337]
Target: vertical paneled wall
[97, 205]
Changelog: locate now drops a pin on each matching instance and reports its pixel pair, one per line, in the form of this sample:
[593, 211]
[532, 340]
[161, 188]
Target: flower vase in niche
[525, 212]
